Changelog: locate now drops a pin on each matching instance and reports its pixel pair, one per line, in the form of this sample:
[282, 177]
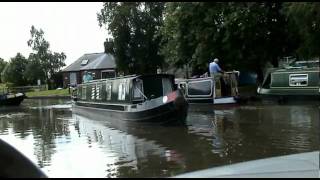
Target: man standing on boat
[216, 73]
[214, 67]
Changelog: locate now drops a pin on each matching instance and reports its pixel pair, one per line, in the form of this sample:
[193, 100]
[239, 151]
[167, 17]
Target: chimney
[108, 46]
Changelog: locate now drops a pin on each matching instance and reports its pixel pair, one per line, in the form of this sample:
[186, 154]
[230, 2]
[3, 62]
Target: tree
[50, 63]
[243, 35]
[305, 16]
[14, 71]
[34, 71]
[3, 64]
[135, 28]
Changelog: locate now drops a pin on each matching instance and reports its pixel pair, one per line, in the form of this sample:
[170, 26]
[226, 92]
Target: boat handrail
[291, 67]
[119, 77]
[231, 72]
[142, 93]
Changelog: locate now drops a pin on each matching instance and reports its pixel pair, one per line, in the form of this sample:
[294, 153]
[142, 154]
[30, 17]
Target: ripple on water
[66, 144]
[13, 115]
[58, 106]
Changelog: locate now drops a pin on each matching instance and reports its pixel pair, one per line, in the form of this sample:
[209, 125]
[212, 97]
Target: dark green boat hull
[293, 83]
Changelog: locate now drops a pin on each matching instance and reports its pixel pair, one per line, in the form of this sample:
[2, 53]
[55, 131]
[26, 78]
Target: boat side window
[122, 91]
[266, 83]
[183, 87]
[78, 90]
[108, 91]
[152, 87]
[166, 86]
[84, 93]
[202, 88]
[298, 80]
[98, 91]
[138, 90]
[93, 92]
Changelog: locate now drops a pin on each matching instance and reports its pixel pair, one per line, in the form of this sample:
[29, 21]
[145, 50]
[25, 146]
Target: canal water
[64, 144]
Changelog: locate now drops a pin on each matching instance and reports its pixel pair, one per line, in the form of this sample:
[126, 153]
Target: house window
[108, 91]
[73, 78]
[122, 91]
[108, 74]
[84, 62]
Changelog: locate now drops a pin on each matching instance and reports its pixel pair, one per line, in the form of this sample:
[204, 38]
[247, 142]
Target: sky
[69, 27]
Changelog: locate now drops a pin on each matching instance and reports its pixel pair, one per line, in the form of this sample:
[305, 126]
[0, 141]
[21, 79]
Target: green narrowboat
[293, 81]
[135, 98]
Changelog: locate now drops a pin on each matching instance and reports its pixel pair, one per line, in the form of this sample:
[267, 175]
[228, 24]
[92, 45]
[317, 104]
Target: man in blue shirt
[214, 67]
[215, 72]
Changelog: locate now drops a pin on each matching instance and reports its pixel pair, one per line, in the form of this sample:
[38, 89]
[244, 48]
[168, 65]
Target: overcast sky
[70, 27]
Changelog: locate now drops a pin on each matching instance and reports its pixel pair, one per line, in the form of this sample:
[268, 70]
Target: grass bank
[49, 93]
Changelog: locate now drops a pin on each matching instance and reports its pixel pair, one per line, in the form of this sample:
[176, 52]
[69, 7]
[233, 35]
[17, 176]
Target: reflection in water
[65, 144]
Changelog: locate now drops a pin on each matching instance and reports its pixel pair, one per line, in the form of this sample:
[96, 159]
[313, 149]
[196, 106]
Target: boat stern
[178, 103]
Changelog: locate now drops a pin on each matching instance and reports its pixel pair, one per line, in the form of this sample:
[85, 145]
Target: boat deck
[303, 165]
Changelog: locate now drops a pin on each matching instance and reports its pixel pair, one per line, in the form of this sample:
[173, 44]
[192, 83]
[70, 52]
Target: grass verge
[55, 92]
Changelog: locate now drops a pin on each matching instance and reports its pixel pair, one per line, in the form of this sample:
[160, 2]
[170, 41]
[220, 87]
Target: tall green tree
[34, 71]
[3, 64]
[135, 27]
[305, 18]
[14, 71]
[243, 35]
[50, 62]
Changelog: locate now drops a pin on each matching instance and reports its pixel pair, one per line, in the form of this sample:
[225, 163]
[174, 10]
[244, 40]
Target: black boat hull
[160, 115]
[14, 101]
[170, 112]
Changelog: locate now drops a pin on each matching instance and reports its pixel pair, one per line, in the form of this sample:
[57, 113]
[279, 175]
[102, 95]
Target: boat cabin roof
[295, 69]
[134, 76]
[127, 89]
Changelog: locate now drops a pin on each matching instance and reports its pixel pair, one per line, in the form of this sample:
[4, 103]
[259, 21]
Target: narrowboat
[135, 98]
[292, 81]
[217, 90]
[11, 99]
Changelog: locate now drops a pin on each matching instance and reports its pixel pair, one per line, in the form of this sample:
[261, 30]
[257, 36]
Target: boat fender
[164, 99]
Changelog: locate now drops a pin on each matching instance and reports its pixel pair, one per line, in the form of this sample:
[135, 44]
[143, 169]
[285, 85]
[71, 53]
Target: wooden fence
[24, 89]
